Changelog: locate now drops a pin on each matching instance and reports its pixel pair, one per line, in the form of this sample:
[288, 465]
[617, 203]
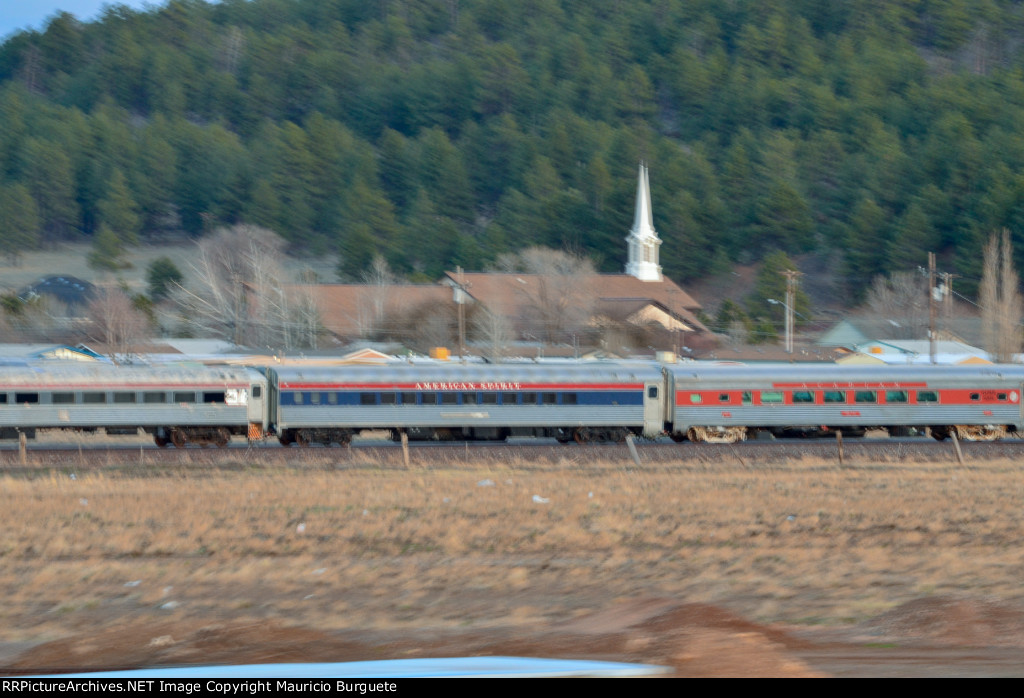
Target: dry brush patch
[499, 544]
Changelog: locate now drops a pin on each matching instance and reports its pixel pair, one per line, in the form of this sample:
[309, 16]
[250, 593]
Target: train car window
[927, 396]
[652, 392]
[182, 396]
[469, 398]
[367, 398]
[389, 398]
[257, 391]
[409, 399]
[429, 398]
[214, 396]
[153, 398]
[297, 398]
[695, 398]
[3, 398]
[94, 398]
[975, 397]
[747, 398]
[529, 398]
[124, 398]
[62, 398]
[570, 399]
[803, 396]
[549, 398]
[449, 398]
[865, 396]
[314, 398]
[833, 396]
[1001, 397]
[723, 397]
[509, 398]
[771, 397]
[895, 396]
[26, 398]
[332, 398]
[489, 398]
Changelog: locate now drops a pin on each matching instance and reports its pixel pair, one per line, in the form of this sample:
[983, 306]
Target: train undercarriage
[342, 437]
[729, 435]
[181, 437]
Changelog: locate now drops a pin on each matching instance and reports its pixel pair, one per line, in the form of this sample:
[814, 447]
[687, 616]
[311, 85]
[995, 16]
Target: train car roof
[777, 374]
[80, 375]
[582, 372]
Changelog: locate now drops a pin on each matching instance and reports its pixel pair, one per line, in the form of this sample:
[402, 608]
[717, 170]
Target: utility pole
[931, 306]
[460, 301]
[789, 306]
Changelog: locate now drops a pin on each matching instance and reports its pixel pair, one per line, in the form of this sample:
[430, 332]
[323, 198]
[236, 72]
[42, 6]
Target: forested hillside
[443, 132]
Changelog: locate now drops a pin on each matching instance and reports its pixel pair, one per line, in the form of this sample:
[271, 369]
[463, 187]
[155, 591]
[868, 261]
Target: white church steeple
[643, 241]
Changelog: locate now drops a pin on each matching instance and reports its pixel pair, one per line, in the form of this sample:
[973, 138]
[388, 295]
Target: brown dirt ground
[814, 572]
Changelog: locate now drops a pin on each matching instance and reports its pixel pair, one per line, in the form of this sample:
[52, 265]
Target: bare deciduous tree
[901, 301]
[1001, 304]
[116, 322]
[239, 292]
[559, 296]
[373, 303]
[493, 331]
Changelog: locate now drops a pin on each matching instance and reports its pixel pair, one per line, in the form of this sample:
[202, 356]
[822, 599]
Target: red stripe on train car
[871, 384]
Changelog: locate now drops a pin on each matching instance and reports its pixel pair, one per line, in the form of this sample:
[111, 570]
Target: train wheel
[697, 434]
[734, 434]
[302, 438]
[583, 435]
[286, 438]
[987, 432]
[677, 437]
[563, 435]
[223, 438]
[940, 433]
[178, 438]
[160, 441]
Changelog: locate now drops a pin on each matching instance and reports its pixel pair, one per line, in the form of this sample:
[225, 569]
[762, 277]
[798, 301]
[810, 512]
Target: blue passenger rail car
[583, 402]
[724, 403]
[176, 404]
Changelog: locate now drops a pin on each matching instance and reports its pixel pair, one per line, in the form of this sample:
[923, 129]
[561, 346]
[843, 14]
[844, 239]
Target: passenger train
[586, 401]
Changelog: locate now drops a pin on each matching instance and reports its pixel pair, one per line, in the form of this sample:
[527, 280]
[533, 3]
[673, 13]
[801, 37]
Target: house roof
[353, 310]
[507, 293]
[854, 330]
[67, 289]
[770, 352]
[906, 351]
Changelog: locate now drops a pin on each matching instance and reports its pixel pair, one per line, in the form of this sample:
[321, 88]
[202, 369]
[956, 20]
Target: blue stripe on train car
[310, 398]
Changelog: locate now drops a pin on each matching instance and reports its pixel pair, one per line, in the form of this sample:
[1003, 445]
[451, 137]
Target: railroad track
[540, 454]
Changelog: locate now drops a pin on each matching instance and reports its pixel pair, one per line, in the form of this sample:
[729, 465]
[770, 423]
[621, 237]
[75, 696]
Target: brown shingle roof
[353, 310]
[506, 293]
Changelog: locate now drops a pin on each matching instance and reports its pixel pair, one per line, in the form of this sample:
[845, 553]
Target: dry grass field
[800, 568]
